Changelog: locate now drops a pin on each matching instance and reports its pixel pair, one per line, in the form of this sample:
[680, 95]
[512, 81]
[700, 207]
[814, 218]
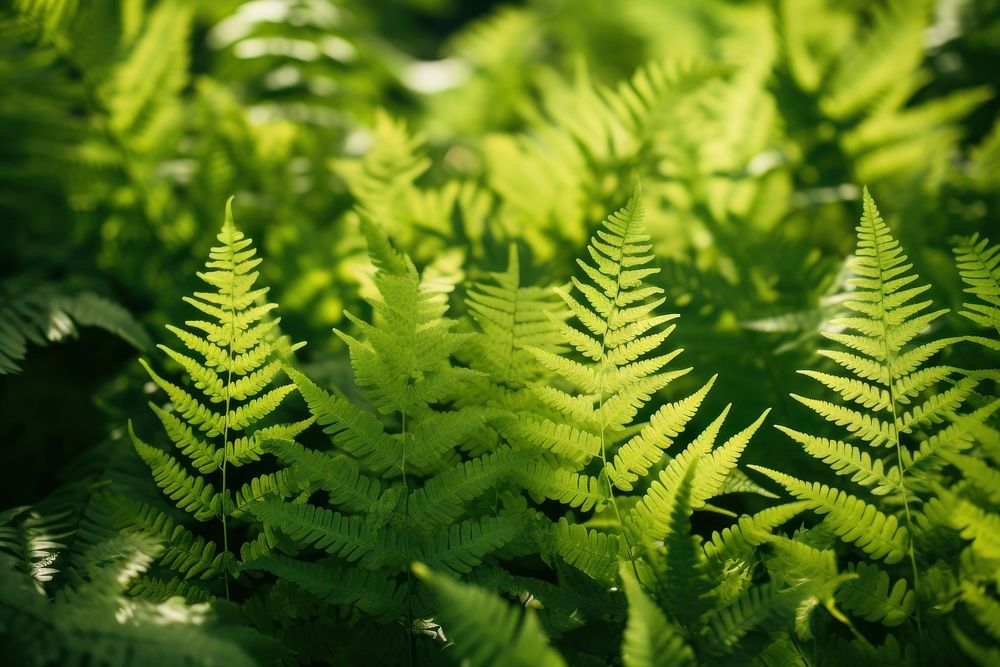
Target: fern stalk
[406, 545]
[635, 211]
[872, 214]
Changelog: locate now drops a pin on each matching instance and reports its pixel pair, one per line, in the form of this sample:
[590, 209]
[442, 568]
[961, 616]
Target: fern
[619, 339]
[486, 631]
[650, 639]
[91, 621]
[42, 313]
[406, 483]
[979, 265]
[241, 357]
[905, 423]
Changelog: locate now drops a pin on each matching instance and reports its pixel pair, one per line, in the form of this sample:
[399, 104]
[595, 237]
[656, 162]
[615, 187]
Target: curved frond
[852, 519]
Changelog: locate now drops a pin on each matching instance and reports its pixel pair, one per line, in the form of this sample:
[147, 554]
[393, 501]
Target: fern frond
[614, 310]
[874, 597]
[191, 494]
[846, 459]
[349, 537]
[190, 556]
[650, 639]
[570, 488]
[33, 540]
[41, 313]
[369, 592]
[463, 546]
[738, 541]
[357, 432]
[650, 518]
[237, 359]
[728, 625]
[681, 582]
[149, 588]
[979, 264]
[443, 497]
[567, 441]
[433, 440]
[637, 456]
[485, 630]
[402, 364]
[340, 477]
[513, 318]
[596, 553]
[851, 518]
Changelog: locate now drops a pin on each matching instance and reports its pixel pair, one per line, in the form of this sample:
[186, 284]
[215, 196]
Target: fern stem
[225, 431]
[406, 549]
[614, 503]
[889, 358]
[602, 399]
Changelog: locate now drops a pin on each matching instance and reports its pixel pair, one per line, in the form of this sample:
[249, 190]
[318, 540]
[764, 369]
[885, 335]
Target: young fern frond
[239, 359]
[903, 419]
[616, 335]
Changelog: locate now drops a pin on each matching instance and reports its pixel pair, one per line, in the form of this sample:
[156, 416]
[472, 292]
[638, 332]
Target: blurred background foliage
[462, 127]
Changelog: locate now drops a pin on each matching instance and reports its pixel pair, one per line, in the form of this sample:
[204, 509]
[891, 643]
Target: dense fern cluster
[546, 416]
[431, 501]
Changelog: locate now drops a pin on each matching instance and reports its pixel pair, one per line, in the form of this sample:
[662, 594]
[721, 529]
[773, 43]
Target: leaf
[485, 630]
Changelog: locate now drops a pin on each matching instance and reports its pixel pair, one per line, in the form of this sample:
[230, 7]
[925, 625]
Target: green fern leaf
[346, 536]
[596, 553]
[728, 625]
[979, 265]
[369, 592]
[463, 546]
[852, 519]
[872, 598]
[340, 477]
[485, 630]
[238, 358]
[650, 639]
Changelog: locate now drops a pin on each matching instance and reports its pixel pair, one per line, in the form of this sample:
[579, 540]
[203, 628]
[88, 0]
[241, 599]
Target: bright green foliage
[906, 424]
[409, 482]
[514, 466]
[239, 356]
[617, 338]
[513, 319]
[979, 264]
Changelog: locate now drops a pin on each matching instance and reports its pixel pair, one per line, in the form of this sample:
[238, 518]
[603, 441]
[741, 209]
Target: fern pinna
[407, 482]
[902, 421]
[217, 421]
